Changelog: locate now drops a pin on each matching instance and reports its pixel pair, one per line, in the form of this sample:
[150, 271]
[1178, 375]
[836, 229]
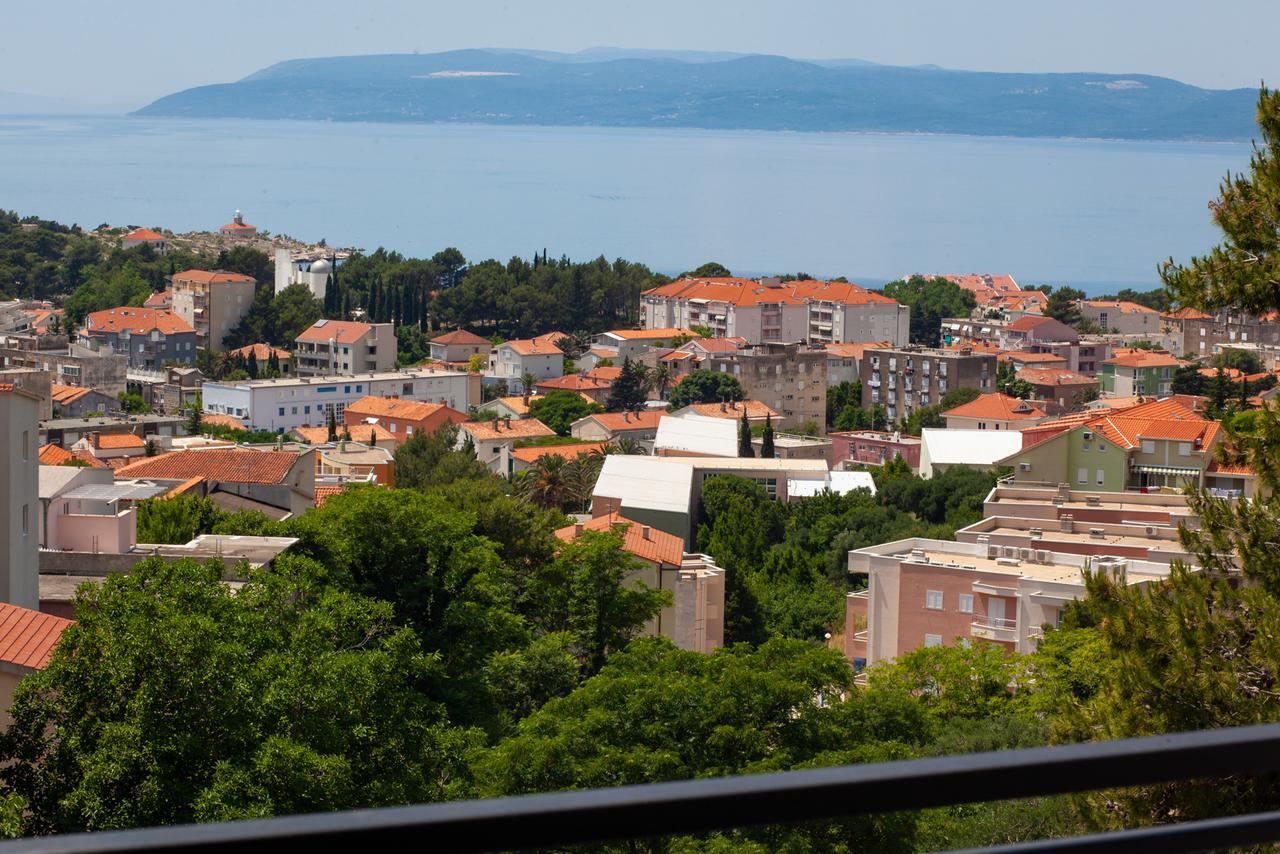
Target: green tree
[195, 415]
[766, 439]
[630, 390]
[173, 699]
[560, 408]
[744, 437]
[842, 396]
[333, 426]
[930, 300]
[176, 520]
[431, 459]
[1007, 382]
[709, 270]
[1063, 305]
[294, 309]
[704, 387]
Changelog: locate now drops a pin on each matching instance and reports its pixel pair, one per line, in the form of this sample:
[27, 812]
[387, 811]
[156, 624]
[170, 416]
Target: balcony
[588, 818]
[995, 629]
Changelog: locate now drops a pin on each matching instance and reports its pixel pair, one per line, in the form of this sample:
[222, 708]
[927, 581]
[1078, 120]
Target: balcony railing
[700, 806]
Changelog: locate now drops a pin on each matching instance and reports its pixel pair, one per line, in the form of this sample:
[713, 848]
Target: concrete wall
[113, 534]
[19, 499]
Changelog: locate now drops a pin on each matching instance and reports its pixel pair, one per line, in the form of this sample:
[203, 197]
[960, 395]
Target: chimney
[95, 439]
[506, 421]
[626, 415]
[722, 407]
[1066, 523]
[577, 529]
[645, 532]
[494, 424]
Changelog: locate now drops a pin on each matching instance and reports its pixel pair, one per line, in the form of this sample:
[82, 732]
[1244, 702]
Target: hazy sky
[129, 55]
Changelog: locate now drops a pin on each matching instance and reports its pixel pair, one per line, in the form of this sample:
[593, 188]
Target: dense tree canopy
[704, 387]
[930, 300]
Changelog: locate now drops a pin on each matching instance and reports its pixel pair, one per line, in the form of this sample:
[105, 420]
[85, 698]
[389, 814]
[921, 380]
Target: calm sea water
[1095, 214]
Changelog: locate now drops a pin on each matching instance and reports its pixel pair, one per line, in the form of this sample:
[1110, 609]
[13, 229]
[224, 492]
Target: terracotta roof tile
[573, 382]
[998, 407]
[324, 491]
[1052, 377]
[532, 347]
[120, 441]
[395, 407]
[646, 543]
[137, 321]
[744, 292]
[754, 408]
[27, 637]
[341, 331]
[1144, 359]
[620, 422]
[647, 334]
[854, 350]
[524, 428]
[533, 454]
[232, 465]
[1123, 306]
[359, 433]
[64, 394]
[1029, 358]
[210, 277]
[262, 352]
[218, 419]
[144, 234]
[160, 299]
[460, 336]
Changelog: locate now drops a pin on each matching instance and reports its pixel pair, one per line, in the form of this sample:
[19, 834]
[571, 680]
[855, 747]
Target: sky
[100, 53]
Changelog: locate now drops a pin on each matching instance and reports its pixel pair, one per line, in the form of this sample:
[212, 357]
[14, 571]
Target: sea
[1094, 214]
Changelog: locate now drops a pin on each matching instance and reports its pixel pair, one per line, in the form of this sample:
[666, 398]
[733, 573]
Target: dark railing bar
[1210, 834]
[696, 806]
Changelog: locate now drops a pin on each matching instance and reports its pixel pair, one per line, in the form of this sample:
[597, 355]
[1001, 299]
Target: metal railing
[701, 806]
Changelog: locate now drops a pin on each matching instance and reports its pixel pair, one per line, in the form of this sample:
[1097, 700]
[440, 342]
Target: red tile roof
[854, 350]
[1187, 313]
[998, 407]
[644, 542]
[160, 299]
[574, 382]
[210, 276]
[569, 452]
[608, 374]
[1124, 306]
[144, 234]
[1029, 358]
[740, 291]
[1218, 467]
[341, 331]
[64, 394]
[324, 491]
[27, 637]
[359, 433]
[755, 409]
[620, 422]
[231, 465]
[524, 428]
[120, 441]
[261, 352]
[218, 419]
[1028, 322]
[713, 345]
[1144, 359]
[533, 347]
[53, 455]
[136, 321]
[1052, 377]
[394, 407]
[460, 336]
[647, 334]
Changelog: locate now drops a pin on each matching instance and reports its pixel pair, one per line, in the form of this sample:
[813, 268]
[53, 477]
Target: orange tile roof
[1174, 407]
[532, 347]
[1127, 431]
[738, 291]
[27, 637]
[574, 382]
[1144, 359]
[515, 403]
[713, 345]
[221, 420]
[41, 317]
[210, 277]
[677, 356]
[998, 407]
[1187, 313]
[120, 441]
[138, 321]
[532, 455]
[1029, 358]
[160, 299]
[53, 455]
[144, 234]
[1050, 376]
[620, 422]
[524, 428]
[341, 331]
[608, 374]
[1218, 467]
[755, 409]
[1028, 322]
[395, 407]
[359, 433]
[460, 336]
[854, 349]
[64, 394]
[324, 491]
[646, 543]
[232, 465]
[262, 352]
[1124, 306]
[645, 334]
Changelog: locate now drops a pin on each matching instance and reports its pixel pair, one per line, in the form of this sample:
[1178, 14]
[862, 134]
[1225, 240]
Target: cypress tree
[766, 441]
[333, 426]
[273, 363]
[744, 436]
[251, 365]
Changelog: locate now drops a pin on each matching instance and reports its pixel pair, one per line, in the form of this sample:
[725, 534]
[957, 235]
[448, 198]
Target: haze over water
[1094, 214]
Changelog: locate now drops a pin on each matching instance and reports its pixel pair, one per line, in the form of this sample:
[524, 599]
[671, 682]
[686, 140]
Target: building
[313, 271]
[278, 483]
[1157, 445]
[771, 310]
[401, 418]
[1203, 334]
[344, 462]
[985, 287]
[1144, 541]
[1067, 389]
[152, 338]
[459, 346]
[923, 593]
[1142, 372]
[873, 448]
[632, 343]
[614, 426]
[68, 363]
[1127, 318]
[756, 412]
[511, 360]
[512, 406]
[113, 448]
[904, 379]
[344, 348]
[213, 302]
[65, 432]
[238, 227]
[262, 354]
[27, 641]
[145, 237]
[495, 439]
[86, 510]
[1032, 329]
[37, 382]
[844, 361]
[695, 435]
[160, 299]
[985, 450]
[994, 411]
[596, 389]
[171, 390]
[19, 497]
[525, 458]
[285, 403]
[695, 618]
[1061, 502]
[1024, 359]
[370, 435]
[791, 379]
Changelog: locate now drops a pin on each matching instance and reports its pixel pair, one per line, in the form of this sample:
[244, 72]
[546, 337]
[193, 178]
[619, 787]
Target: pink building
[873, 448]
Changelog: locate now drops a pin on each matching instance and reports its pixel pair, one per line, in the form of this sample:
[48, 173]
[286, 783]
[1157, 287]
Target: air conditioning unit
[1025, 466]
[1037, 533]
[1058, 501]
[1010, 551]
[993, 551]
[1008, 561]
[1096, 533]
[1042, 556]
[1151, 530]
[1088, 434]
[1024, 554]
[1093, 501]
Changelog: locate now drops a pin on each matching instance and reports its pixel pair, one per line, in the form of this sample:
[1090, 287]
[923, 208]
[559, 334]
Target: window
[1148, 446]
[1184, 448]
[295, 411]
[282, 410]
[933, 600]
[346, 389]
[406, 389]
[965, 605]
[306, 410]
[1102, 477]
[933, 640]
[1082, 476]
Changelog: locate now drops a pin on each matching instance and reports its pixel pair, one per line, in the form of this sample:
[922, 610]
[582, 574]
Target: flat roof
[653, 483]
[336, 379]
[108, 421]
[118, 491]
[1111, 539]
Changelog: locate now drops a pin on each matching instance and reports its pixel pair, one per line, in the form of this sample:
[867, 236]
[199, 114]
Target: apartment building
[39, 383]
[923, 593]
[151, 338]
[1202, 334]
[402, 418]
[613, 426]
[19, 496]
[791, 379]
[494, 439]
[873, 448]
[1127, 318]
[1031, 329]
[695, 618]
[1063, 388]
[344, 348]
[844, 361]
[632, 343]
[994, 411]
[68, 363]
[772, 310]
[212, 302]
[511, 360]
[906, 378]
[1144, 541]
[459, 346]
[282, 404]
[1142, 372]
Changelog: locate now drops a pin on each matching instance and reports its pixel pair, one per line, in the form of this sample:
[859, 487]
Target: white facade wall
[19, 500]
[281, 405]
[511, 366]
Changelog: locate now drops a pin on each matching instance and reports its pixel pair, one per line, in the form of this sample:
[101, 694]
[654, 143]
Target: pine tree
[628, 390]
[273, 363]
[766, 441]
[333, 426]
[744, 436]
[251, 365]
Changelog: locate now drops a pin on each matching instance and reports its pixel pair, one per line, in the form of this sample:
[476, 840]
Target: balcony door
[995, 612]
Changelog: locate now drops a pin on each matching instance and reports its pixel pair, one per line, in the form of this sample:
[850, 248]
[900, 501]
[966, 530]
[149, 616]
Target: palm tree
[662, 377]
[527, 379]
[626, 445]
[584, 471]
[547, 483]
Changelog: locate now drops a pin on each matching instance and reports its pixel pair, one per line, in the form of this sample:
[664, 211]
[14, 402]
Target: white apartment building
[283, 404]
[345, 348]
[539, 356]
[772, 310]
[19, 497]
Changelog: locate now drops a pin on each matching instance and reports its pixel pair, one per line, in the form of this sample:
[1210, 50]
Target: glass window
[1082, 475]
[1102, 477]
[933, 640]
[965, 604]
[933, 600]
[282, 410]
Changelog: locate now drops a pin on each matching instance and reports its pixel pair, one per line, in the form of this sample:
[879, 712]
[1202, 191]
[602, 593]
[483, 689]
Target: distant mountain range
[626, 88]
